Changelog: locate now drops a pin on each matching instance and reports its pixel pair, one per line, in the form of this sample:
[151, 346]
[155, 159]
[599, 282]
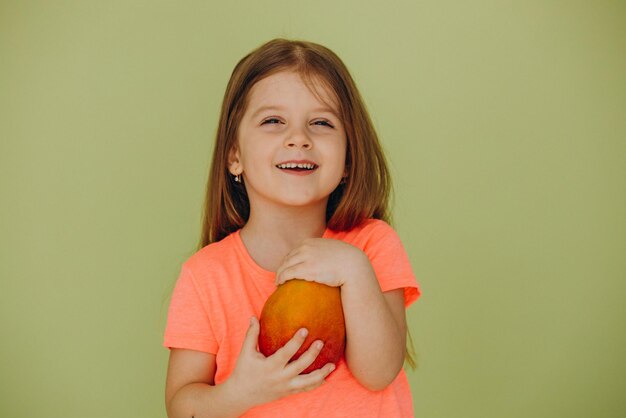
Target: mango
[299, 304]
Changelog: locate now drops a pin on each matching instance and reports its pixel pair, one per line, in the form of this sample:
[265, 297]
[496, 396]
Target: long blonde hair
[367, 190]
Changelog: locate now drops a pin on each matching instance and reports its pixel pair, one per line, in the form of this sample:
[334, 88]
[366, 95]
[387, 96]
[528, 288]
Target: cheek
[338, 163]
[252, 156]
[341, 153]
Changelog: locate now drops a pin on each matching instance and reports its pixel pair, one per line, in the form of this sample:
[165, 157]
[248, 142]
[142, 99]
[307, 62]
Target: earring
[237, 178]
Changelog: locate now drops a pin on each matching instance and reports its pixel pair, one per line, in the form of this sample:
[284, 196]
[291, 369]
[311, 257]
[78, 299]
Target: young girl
[298, 188]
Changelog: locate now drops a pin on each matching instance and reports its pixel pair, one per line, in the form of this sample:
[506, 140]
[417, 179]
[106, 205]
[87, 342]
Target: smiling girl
[298, 188]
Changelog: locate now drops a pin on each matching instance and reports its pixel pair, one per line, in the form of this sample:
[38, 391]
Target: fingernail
[304, 332]
[319, 345]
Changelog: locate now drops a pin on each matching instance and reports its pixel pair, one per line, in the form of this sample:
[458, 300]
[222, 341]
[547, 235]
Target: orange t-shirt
[220, 287]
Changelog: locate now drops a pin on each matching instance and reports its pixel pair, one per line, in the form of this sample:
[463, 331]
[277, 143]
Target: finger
[297, 366]
[290, 259]
[252, 336]
[312, 380]
[288, 272]
[286, 352]
[308, 388]
[293, 257]
[292, 253]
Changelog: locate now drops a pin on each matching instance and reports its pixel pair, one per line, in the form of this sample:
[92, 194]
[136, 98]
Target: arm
[375, 321]
[191, 390]
[375, 331]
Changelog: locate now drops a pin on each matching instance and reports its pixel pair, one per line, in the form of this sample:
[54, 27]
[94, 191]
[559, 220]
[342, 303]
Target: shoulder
[376, 227]
[383, 247]
[371, 232]
[216, 255]
[366, 230]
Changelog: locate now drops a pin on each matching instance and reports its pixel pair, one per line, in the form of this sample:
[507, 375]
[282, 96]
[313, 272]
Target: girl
[298, 188]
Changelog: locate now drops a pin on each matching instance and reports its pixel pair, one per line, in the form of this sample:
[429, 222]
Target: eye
[324, 122]
[271, 121]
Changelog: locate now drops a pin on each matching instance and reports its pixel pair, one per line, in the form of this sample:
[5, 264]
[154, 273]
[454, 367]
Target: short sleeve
[391, 262]
[188, 324]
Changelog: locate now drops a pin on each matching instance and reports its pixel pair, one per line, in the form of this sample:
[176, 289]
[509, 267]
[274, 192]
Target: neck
[285, 226]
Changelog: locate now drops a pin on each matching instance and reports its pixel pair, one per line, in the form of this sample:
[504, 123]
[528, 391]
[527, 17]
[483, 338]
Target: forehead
[285, 85]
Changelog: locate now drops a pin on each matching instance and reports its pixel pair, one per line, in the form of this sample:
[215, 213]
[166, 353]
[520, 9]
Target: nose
[298, 139]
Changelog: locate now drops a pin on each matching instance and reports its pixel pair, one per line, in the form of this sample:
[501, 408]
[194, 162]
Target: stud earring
[237, 178]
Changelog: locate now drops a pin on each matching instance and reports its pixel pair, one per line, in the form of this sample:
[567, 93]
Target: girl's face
[291, 147]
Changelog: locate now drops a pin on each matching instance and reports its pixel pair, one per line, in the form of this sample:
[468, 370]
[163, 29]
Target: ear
[234, 165]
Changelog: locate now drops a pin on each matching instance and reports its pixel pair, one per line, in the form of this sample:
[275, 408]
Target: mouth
[297, 166]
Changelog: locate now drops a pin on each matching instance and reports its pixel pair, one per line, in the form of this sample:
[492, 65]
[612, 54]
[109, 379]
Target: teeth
[294, 165]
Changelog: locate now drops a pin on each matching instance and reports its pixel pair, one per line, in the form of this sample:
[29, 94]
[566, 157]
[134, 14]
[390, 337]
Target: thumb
[252, 336]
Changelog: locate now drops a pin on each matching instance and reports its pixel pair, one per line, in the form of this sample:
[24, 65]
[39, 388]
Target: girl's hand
[324, 260]
[259, 379]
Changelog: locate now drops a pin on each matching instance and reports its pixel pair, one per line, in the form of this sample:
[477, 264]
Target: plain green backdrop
[504, 126]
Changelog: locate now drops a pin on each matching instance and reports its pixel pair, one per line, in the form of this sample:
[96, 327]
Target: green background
[504, 125]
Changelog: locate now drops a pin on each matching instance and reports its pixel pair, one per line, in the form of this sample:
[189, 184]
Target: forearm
[200, 400]
[375, 340]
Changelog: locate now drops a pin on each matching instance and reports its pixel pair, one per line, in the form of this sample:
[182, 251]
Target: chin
[303, 203]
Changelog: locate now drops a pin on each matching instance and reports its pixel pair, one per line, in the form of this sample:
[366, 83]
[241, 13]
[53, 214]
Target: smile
[297, 166]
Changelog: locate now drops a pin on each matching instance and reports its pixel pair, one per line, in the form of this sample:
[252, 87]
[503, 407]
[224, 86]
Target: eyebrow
[279, 108]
